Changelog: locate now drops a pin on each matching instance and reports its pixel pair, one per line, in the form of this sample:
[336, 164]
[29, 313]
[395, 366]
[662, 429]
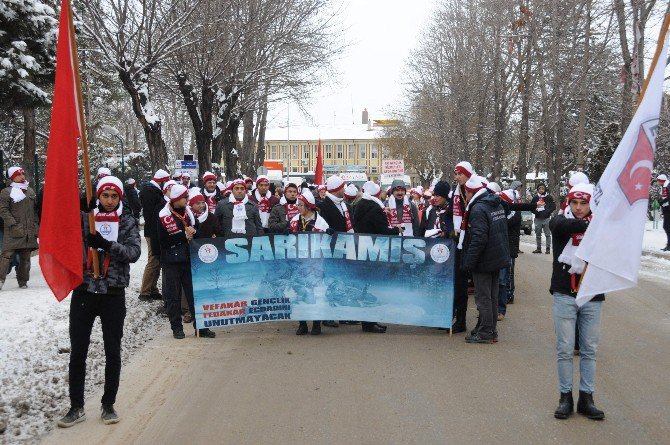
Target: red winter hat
[262, 179]
[194, 196]
[581, 191]
[15, 171]
[208, 176]
[161, 176]
[110, 183]
[464, 167]
[178, 192]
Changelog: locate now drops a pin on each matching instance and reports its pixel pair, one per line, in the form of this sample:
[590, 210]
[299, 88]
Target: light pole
[111, 131]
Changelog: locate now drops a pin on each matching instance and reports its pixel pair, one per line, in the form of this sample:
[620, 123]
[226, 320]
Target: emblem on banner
[105, 229]
[439, 253]
[635, 178]
[208, 253]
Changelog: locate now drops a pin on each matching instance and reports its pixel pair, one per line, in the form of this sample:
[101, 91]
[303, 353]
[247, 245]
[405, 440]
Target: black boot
[458, 327]
[316, 328]
[587, 406]
[302, 328]
[566, 406]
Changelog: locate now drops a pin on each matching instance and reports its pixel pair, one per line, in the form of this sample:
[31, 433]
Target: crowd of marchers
[482, 220]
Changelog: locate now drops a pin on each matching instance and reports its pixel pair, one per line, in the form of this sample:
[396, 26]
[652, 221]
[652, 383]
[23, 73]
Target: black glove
[330, 231]
[98, 242]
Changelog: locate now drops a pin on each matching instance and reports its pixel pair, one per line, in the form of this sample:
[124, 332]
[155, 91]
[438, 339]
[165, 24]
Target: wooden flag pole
[82, 131]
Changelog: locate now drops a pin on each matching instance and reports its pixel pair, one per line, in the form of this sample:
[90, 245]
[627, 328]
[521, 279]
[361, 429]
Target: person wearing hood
[568, 231]
[237, 215]
[264, 199]
[152, 200]
[18, 209]
[485, 246]
[665, 207]
[282, 214]
[463, 171]
[544, 207]
[400, 210]
[117, 241]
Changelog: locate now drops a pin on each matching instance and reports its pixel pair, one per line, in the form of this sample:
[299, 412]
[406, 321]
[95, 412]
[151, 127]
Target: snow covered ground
[35, 346]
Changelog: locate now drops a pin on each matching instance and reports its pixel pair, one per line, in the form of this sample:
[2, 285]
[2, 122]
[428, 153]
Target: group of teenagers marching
[482, 219]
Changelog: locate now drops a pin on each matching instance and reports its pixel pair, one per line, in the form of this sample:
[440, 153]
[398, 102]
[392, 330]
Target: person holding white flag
[612, 245]
[568, 230]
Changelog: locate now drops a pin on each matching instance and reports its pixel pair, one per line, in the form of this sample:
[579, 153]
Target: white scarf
[373, 199]
[516, 200]
[239, 214]
[107, 223]
[461, 236]
[18, 193]
[344, 211]
[202, 217]
[568, 255]
[263, 206]
[320, 225]
[409, 231]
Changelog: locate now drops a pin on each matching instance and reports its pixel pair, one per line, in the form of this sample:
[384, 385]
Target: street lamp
[113, 132]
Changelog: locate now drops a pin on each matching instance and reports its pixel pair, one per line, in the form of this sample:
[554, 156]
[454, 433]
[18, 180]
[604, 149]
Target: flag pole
[657, 55]
[82, 131]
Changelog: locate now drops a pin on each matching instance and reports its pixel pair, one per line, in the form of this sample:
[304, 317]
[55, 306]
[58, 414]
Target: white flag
[612, 244]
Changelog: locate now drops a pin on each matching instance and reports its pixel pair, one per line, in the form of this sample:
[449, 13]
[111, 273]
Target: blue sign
[316, 276]
[189, 164]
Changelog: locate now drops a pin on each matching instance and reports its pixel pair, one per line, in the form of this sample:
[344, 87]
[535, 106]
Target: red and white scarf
[210, 199]
[169, 223]
[540, 201]
[107, 223]
[456, 206]
[344, 211]
[320, 224]
[437, 228]
[291, 209]
[568, 255]
[664, 190]
[392, 215]
[239, 214]
[263, 206]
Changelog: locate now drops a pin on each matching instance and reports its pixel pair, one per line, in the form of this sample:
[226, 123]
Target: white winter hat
[208, 176]
[372, 188]
[14, 171]
[186, 175]
[194, 196]
[161, 176]
[581, 191]
[494, 187]
[104, 171]
[221, 186]
[578, 178]
[507, 195]
[178, 192]
[262, 178]
[351, 191]
[474, 184]
[661, 177]
[334, 183]
[110, 183]
[308, 198]
[168, 186]
[419, 189]
[464, 167]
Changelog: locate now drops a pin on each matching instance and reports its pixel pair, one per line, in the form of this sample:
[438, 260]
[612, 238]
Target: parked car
[526, 222]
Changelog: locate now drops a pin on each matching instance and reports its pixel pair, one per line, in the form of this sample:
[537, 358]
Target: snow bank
[34, 352]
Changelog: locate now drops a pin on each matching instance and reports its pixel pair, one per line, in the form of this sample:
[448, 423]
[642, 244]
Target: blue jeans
[567, 315]
[503, 293]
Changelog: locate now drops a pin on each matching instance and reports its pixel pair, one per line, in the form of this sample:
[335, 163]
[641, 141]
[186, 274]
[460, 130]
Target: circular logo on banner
[105, 229]
[439, 253]
[208, 253]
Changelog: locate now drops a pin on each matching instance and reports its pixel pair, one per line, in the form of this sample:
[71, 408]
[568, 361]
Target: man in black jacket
[237, 215]
[485, 252]
[544, 206]
[438, 221]
[132, 197]
[665, 207]
[152, 200]
[333, 208]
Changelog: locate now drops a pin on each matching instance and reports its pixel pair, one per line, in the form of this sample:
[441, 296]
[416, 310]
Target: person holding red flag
[118, 244]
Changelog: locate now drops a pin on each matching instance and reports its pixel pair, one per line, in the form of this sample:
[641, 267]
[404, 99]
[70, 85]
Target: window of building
[283, 152]
[340, 152]
[305, 151]
[294, 152]
[361, 151]
[374, 169]
[386, 152]
[273, 152]
[329, 152]
[373, 151]
[351, 152]
[305, 169]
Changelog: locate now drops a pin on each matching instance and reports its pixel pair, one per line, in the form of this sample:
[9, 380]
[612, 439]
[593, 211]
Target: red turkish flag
[635, 178]
[61, 242]
[318, 172]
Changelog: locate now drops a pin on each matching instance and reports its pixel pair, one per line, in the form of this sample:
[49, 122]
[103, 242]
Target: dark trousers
[666, 226]
[177, 276]
[486, 298]
[84, 308]
[22, 270]
[503, 289]
[510, 291]
[460, 289]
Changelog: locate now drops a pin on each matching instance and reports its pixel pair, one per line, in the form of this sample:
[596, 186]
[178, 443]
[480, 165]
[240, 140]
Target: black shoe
[374, 328]
[158, 297]
[458, 327]
[178, 334]
[350, 322]
[510, 300]
[538, 250]
[316, 328]
[666, 249]
[302, 328]
[381, 326]
[207, 333]
[547, 251]
[476, 338]
[74, 416]
[587, 406]
[330, 323]
[108, 415]
[162, 312]
[565, 406]
[144, 298]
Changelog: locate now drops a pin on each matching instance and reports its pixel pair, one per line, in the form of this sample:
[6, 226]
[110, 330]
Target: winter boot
[587, 406]
[538, 250]
[207, 333]
[316, 328]
[108, 415]
[302, 328]
[178, 334]
[566, 406]
[548, 251]
[75, 415]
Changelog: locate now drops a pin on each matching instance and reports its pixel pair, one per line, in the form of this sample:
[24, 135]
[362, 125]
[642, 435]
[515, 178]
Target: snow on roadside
[35, 346]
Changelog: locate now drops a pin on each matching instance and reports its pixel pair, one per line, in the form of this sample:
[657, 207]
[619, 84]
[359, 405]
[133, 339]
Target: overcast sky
[382, 33]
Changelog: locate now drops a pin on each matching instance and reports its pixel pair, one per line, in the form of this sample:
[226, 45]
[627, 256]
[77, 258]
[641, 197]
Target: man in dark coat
[132, 197]
[462, 172]
[544, 206]
[485, 252]
[152, 200]
[665, 207]
[237, 215]
[400, 209]
[264, 200]
[282, 214]
[333, 208]
[438, 221]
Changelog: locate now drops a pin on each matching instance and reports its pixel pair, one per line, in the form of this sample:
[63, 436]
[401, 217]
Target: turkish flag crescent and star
[318, 171]
[612, 245]
[61, 242]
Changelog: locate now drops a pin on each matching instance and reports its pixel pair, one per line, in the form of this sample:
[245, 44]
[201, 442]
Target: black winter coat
[514, 224]
[124, 251]
[549, 206]
[174, 246]
[562, 229]
[210, 227]
[133, 200]
[370, 218]
[328, 211]
[153, 201]
[428, 222]
[486, 247]
[252, 225]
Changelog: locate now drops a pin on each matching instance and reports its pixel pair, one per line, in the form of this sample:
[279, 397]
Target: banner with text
[316, 276]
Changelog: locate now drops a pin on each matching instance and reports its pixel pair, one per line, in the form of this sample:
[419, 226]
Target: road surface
[263, 384]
